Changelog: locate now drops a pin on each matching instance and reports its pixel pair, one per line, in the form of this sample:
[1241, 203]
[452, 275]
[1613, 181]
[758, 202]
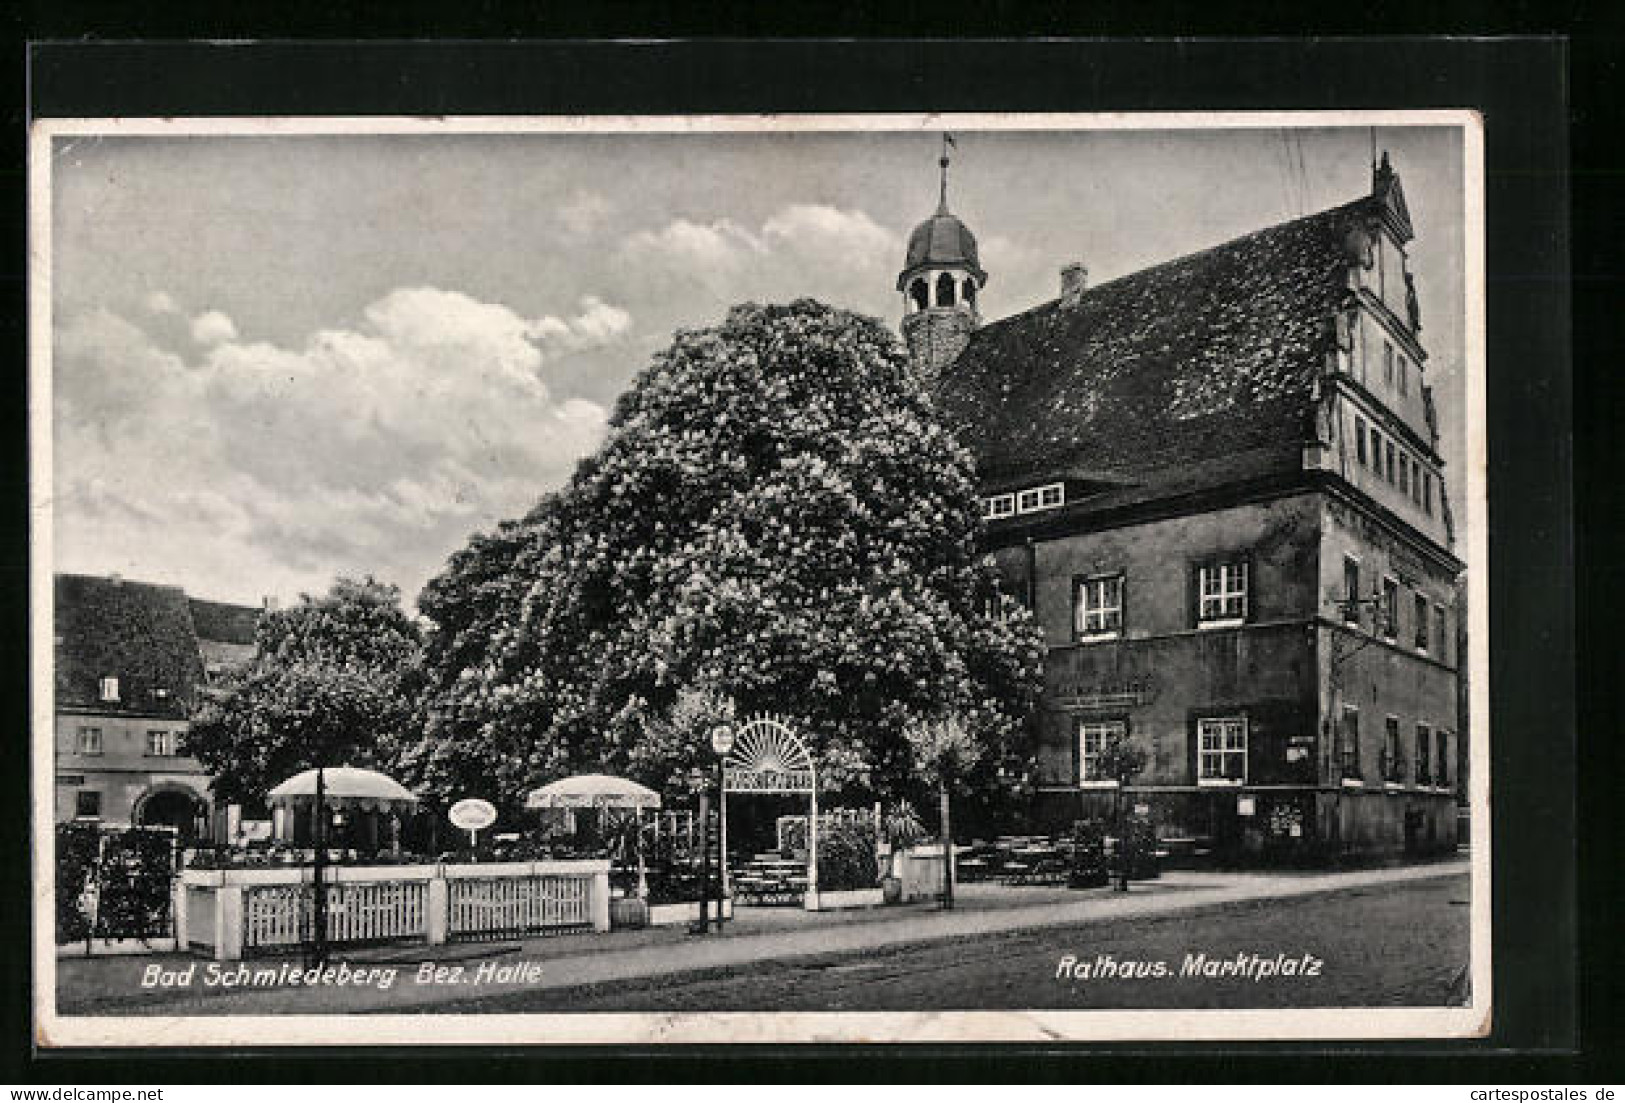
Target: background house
[130, 657]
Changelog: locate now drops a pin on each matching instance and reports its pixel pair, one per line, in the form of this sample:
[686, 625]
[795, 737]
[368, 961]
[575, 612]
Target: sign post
[722, 741]
[473, 815]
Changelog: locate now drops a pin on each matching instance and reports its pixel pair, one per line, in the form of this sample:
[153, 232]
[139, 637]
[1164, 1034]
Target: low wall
[666, 915]
[821, 900]
[228, 913]
[920, 870]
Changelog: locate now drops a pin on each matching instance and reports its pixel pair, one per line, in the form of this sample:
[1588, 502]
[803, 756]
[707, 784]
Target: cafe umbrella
[598, 791]
[347, 788]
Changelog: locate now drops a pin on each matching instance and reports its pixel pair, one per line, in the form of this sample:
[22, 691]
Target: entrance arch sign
[769, 757]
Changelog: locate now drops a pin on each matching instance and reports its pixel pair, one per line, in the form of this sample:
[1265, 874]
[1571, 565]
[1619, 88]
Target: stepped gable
[1188, 374]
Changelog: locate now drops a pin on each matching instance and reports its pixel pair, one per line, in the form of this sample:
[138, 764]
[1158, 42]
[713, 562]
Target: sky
[276, 360]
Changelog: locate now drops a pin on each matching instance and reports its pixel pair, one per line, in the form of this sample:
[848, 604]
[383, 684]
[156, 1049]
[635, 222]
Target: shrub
[77, 846]
[846, 857]
[1089, 864]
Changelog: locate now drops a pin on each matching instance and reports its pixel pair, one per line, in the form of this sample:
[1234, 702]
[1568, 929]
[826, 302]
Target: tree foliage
[331, 683]
[777, 520]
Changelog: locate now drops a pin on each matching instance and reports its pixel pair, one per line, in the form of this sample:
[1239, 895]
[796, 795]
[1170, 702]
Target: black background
[1523, 89]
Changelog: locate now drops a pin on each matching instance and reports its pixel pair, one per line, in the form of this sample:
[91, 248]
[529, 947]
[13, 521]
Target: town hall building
[1217, 485]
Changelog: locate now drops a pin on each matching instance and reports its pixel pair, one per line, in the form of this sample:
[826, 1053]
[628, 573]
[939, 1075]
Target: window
[918, 295]
[1393, 755]
[1390, 608]
[1416, 481]
[87, 804]
[1404, 375]
[1098, 607]
[1001, 505]
[90, 741]
[1351, 590]
[1348, 744]
[1095, 738]
[1040, 497]
[1388, 453]
[160, 742]
[109, 689]
[1404, 473]
[1424, 755]
[1222, 593]
[1221, 751]
[1388, 363]
[1421, 623]
[1376, 451]
[1442, 739]
[1427, 493]
[1359, 440]
[1439, 631]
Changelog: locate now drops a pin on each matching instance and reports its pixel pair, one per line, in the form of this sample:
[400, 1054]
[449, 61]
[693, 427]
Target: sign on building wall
[1105, 696]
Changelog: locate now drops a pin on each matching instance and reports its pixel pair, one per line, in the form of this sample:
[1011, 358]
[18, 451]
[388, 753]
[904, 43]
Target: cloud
[714, 253]
[598, 324]
[159, 302]
[584, 213]
[840, 255]
[213, 327]
[375, 447]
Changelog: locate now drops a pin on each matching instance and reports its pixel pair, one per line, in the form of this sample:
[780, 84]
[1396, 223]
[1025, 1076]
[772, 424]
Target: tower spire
[940, 282]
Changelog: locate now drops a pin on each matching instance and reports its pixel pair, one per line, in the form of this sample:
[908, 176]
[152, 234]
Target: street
[1380, 937]
[1386, 945]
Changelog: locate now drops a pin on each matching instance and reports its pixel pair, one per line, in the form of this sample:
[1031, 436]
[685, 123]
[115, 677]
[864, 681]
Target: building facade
[130, 657]
[1216, 483]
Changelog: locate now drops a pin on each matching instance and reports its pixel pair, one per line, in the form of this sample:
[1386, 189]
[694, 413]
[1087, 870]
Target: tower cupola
[941, 280]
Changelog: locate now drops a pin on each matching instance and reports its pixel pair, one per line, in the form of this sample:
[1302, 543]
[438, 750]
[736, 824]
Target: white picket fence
[232, 913]
[357, 914]
[501, 907]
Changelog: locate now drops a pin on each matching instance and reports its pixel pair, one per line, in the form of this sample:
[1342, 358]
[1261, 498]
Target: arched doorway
[768, 757]
[172, 806]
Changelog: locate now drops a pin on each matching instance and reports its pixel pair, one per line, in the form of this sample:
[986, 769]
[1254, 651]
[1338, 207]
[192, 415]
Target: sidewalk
[103, 986]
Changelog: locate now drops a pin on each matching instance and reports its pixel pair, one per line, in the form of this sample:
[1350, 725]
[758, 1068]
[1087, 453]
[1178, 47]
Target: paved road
[1379, 946]
[988, 953]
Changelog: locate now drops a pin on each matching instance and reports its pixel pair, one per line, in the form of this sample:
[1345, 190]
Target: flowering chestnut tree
[331, 684]
[776, 519]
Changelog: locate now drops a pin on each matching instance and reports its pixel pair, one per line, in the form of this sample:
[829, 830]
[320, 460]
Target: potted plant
[903, 829]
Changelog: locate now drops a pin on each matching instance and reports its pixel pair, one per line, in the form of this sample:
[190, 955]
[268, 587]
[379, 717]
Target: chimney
[1074, 280]
[269, 603]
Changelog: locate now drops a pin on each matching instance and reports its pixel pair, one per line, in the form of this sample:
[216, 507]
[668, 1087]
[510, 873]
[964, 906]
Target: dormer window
[109, 689]
[1031, 500]
[1040, 497]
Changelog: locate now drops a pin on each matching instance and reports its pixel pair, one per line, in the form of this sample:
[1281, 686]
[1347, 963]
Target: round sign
[722, 739]
[472, 814]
